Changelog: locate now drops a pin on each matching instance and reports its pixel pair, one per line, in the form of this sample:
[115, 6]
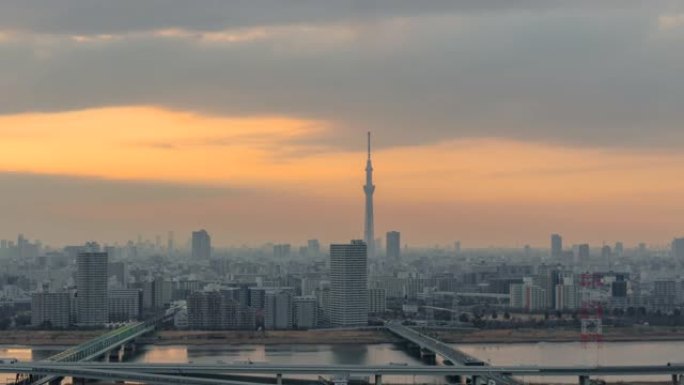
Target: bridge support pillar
[475, 380]
[114, 355]
[428, 356]
[678, 379]
[378, 379]
[583, 380]
[279, 379]
[129, 347]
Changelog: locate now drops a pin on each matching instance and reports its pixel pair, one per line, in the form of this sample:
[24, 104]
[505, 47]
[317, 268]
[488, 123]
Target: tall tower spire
[369, 189]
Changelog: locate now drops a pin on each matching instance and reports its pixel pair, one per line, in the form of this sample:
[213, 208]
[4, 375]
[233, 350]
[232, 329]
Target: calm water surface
[614, 353]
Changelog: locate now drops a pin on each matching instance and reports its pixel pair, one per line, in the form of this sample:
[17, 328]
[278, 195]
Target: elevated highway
[183, 373]
[101, 345]
[455, 356]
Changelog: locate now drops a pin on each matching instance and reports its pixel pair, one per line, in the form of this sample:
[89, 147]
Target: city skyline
[473, 192]
[506, 115]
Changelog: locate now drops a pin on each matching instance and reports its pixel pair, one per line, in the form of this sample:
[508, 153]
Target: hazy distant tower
[201, 245]
[556, 246]
[393, 247]
[369, 189]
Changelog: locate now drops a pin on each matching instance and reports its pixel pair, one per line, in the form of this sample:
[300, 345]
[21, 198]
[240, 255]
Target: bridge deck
[130, 370]
[456, 356]
[96, 347]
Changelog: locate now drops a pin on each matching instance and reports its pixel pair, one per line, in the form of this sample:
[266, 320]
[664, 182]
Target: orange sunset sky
[495, 125]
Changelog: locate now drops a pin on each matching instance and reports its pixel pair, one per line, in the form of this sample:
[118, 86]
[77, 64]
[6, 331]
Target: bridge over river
[452, 355]
[74, 362]
[104, 344]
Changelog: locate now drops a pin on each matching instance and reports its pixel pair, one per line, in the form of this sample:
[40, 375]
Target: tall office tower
[349, 284]
[677, 249]
[91, 281]
[369, 189]
[201, 244]
[393, 245]
[556, 246]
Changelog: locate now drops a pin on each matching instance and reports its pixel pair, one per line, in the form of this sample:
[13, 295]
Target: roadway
[456, 356]
[114, 371]
[59, 370]
[97, 347]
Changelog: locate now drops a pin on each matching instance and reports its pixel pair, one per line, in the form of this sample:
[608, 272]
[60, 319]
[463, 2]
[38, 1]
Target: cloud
[581, 74]
[671, 21]
[97, 17]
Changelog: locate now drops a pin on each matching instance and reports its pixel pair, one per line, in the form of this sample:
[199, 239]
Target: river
[609, 353]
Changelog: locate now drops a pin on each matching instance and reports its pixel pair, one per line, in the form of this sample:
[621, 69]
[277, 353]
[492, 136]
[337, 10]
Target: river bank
[328, 336]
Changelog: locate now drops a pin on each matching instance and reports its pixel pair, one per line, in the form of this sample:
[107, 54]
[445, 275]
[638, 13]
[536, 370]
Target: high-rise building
[214, 310]
[678, 249]
[278, 310]
[556, 246]
[583, 252]
[369, 189]
[619, 249]
[201, 245]
[393, 245]
[124, 305]
[349, 284]
[157, 294]
[377, 301]
[51, 310]
[527, 296]
[566, 295]
[91, 282]
[117, 271]
[606, 252]
[305, 312]
[313, 247]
